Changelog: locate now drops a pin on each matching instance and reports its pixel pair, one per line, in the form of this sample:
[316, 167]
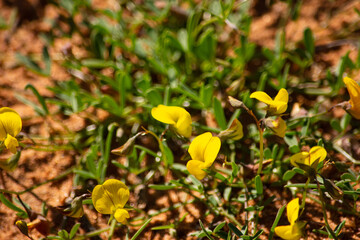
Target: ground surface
[327, 19]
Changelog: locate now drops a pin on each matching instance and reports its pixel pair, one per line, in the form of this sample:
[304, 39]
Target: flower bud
[22, 226]
[127, 147]
[75, 209]
[334, 191]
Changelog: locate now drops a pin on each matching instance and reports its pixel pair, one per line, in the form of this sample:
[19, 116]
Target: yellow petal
[262, 97]
[279, 107]
[287, 232]
[102, 202]
[121, 215]
[299, 158]
[317, 152]
[198, 146]
[178, 117]
[292, 210]
[183, 125]
[109, 196]
[10, 123]
[164, 114]
[278, 126]
[354, 92]
[11, 143]
[234, 132]
[282, 96]
[195, 168]
[118, 192]
[211, 151]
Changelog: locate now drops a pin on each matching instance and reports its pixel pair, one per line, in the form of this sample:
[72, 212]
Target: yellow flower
[278, 126]
[310, 159]
[10, 126]
[276, 106]
[203, 151]
[292, 231]
[177, 117]
[110, 198]
[234, 132]
[354, 92]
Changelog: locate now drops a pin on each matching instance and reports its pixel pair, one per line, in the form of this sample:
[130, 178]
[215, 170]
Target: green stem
[92, 234]
[302, 207]
[229, 216]
[261, 149]
[324, 211]
[112, 229]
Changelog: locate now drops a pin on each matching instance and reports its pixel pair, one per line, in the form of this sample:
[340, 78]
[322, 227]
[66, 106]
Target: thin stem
[64, 174]
[302, 207]
[112, 229]
[229, 216]
[324, 211]
[92, 234]
[261, 132]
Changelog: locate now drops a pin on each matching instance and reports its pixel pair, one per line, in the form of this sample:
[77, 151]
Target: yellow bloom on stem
[276, 106]
[10, 126]
[177, 117]
[203, 151]
[278, 126]
[110, 198]
[234, 132]
[292, 231]
[310, 159]
[354, 92]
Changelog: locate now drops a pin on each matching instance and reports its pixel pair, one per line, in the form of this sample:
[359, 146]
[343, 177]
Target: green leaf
[235, 230]
[292, 142]
[289, 174]
[348, 176]
[206, 45]
[162, 187]
[219, 114]
[257, 234]
[309, 42]
[276, 221]
[33, 66]
[205, 231]
[163, 227]
[10, 205]
[141, 229]
[85, 174]
[335, 124]
[73, 231]
[154, 97]
[97, 63]
[345, 120]
[218, 227]
[259, 185]
[38, 96]
[168, 155]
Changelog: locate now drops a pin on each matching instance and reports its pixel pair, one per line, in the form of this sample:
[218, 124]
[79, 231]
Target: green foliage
[140, 56]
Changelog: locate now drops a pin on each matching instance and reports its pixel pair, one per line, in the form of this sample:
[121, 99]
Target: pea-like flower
[177, 117]
[294, 230]
[110, 198]
[203, 151]
[276, 106]
[10, 126]
[354, 92]
[309, 160]
[277, 126]
[234, 132]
